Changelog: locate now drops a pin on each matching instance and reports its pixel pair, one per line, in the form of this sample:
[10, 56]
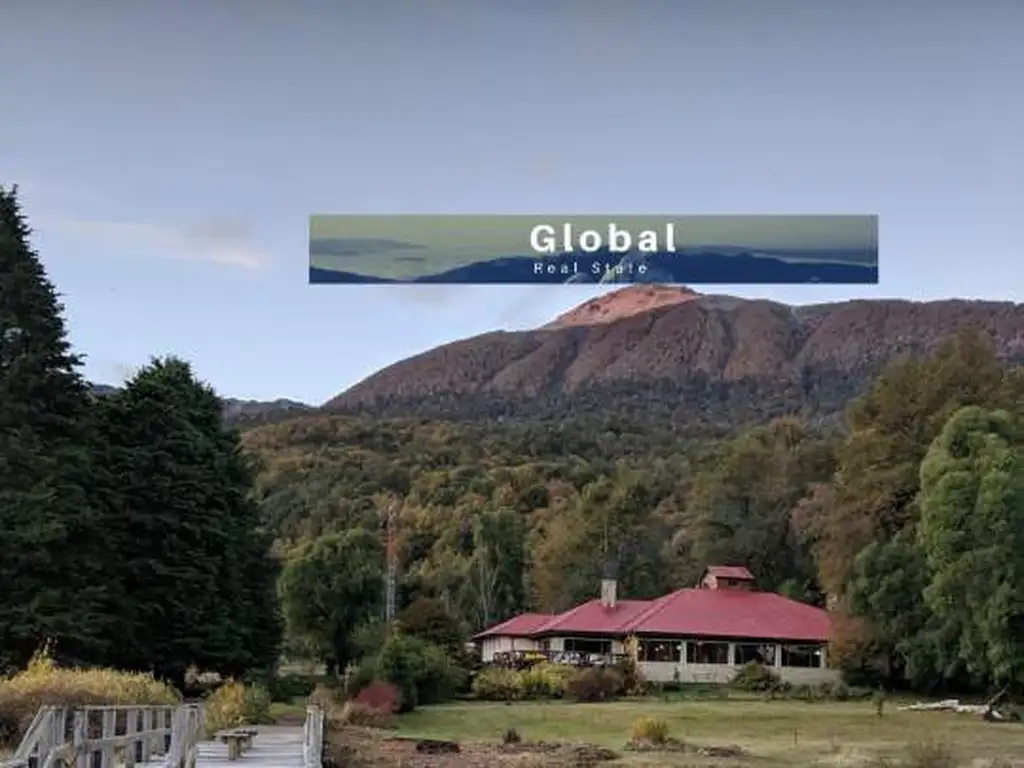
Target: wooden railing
[103, 737]
[313, 737]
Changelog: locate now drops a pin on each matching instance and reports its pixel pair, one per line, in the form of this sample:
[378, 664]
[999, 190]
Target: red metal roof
[523, 625]
[689, 612]
[594, 618]
[730, 572]
[732, 613]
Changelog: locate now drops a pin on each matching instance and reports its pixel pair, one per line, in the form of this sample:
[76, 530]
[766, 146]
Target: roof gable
[523, 625]
[595, 618]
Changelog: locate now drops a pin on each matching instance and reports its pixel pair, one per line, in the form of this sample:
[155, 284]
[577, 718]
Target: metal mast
[392, 565]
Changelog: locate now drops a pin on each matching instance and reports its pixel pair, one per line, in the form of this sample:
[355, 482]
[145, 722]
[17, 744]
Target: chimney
[609, 586]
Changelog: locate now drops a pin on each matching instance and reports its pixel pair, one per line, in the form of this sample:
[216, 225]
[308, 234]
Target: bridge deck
[274, 747]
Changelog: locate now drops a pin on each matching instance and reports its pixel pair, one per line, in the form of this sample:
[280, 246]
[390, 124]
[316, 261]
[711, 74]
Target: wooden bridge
[162, 737]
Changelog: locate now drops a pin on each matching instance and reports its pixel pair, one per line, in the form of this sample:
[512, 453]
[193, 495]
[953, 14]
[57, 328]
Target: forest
[916, 501]
[145, 532]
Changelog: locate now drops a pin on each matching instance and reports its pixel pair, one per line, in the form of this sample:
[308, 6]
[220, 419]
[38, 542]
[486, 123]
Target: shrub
[595, 684]
[361, 676]
[421, 671]
[439, 677]
[43, 683]
[381, 696]
[290, 687]
[544, 681]
[357, 713]
[234, 704]
[498, 684]
[755, 678]
[633, 680]
[651, 730]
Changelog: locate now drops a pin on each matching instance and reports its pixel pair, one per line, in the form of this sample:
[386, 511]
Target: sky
[169, 154]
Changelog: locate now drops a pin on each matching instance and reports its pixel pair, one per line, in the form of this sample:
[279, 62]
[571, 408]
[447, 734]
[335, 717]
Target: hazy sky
[171, 153]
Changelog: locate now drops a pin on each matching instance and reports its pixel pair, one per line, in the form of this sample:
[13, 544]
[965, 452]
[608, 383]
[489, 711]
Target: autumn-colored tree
[873, 494]
[740, 507]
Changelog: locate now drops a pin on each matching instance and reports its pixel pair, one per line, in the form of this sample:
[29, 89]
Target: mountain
[701, 265]
[243, 412]
[669, 355]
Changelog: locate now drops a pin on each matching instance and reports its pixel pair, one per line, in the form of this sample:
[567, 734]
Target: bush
[498, 684]
[381, 696]
[633, 680]
[357, 713]
[43, 683]
[290, 687]
[361, 676]
[544, 681]
[595, 684]
[755, 678]
[650, 730]
[234, 704]
[439, 678]
[421, 671]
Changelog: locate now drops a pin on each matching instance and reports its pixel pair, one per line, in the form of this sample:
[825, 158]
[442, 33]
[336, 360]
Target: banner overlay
[567, 248]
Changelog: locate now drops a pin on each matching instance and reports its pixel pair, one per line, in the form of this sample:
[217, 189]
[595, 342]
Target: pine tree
[193, 565]
[50, 586]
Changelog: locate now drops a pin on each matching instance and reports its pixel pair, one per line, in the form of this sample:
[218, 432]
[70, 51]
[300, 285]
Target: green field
[782, 733]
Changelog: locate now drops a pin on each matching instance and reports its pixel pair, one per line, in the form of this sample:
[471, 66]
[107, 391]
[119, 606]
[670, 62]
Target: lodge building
[702, 634]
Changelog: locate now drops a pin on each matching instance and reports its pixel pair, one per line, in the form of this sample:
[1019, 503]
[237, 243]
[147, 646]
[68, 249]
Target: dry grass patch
[43, 683]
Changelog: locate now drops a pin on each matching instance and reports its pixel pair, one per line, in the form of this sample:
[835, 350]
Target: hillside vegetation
[496, 519]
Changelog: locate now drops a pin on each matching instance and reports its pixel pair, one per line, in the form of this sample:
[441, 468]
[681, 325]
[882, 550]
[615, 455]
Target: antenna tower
[392, 564]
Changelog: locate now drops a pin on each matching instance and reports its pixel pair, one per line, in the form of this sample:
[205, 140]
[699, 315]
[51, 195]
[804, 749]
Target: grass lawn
[782, 733]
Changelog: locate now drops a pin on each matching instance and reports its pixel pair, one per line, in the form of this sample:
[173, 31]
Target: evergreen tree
[51, 581]
[196, 579]
[972, 534]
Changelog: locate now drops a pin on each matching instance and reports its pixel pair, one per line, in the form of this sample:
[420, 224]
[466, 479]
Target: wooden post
[147, 735]
[79, 737]
[108, 733]
[167, 715]
[130, 727]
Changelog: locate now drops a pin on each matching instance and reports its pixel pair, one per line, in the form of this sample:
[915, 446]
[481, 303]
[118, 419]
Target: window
[659, 650]
[801, 656]
[588, 645]
[707, 653]
[756, 653]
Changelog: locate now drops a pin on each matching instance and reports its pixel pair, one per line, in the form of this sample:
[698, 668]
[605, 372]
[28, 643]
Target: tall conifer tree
[49, 588]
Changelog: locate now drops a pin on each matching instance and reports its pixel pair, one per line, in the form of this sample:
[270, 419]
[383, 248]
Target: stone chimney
[609, 586]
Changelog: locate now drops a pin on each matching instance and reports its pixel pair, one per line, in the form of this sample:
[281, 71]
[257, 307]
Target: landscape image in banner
[561, 249]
